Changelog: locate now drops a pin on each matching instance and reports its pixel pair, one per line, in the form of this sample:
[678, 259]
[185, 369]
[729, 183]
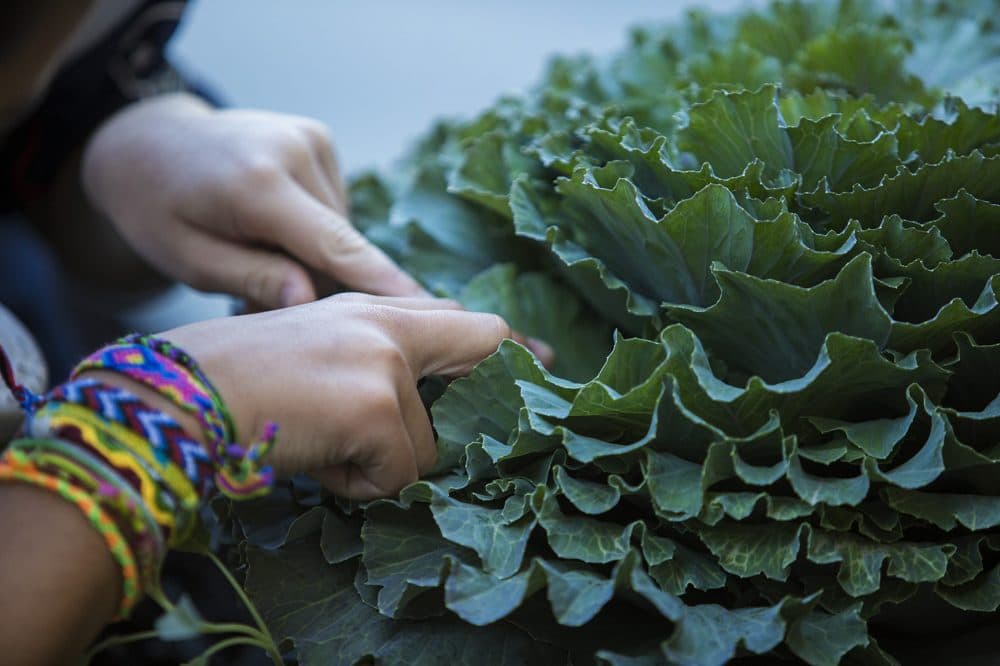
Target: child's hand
[243, 202]
[339, 376]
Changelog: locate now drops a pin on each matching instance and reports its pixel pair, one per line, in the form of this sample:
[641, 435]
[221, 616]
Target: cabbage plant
[766, 248]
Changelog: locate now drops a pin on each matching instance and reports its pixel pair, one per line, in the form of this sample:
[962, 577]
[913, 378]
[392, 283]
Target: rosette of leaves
[767, 250]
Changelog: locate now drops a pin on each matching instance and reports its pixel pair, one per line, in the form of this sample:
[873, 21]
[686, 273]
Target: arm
[60, 584]
[58, 578]
[338, 375]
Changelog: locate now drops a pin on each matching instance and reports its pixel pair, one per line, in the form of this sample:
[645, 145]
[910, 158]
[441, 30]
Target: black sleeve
[126, 65]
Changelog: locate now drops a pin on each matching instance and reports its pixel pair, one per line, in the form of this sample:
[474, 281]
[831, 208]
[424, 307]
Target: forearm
[59, 581]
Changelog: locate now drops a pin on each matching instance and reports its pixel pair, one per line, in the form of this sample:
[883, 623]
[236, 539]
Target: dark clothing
[125, 65]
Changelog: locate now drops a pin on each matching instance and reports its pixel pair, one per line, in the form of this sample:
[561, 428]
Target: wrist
[214, 355]
[175, 375]
[188, 422]
[126, 450]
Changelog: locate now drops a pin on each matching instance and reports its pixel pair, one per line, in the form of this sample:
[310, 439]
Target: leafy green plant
[767, 250]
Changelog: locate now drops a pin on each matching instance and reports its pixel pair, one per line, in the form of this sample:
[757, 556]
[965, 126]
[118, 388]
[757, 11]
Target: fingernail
[542, 350]
[293, 293]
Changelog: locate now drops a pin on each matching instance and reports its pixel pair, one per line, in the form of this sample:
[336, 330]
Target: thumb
[266, 278]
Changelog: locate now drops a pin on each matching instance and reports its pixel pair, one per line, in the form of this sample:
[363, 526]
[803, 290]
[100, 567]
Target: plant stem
[157, 595]
[232, 628]
[230, 642]
[117, 640]
[269, 644]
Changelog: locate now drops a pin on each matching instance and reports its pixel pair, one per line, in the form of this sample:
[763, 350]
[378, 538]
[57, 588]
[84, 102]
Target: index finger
[325, 240]
[450, 342]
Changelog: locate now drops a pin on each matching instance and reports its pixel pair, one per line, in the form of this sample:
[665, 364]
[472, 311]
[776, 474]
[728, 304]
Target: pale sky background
[378, 72]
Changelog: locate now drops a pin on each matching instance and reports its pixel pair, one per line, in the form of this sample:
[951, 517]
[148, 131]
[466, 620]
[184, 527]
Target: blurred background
[379, 72]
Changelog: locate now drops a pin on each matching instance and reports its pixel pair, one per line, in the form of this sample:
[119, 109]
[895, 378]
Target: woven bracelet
[174, 374]
[15, 465]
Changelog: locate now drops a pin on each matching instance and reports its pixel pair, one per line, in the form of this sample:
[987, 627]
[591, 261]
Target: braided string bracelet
[15, 465]
[100, 442]
[64, 463]
[130, 468]
[174, 374]
[164, 489]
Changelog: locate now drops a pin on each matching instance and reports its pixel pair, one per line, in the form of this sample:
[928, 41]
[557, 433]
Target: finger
[404, 302]
[311, 175]
[325, 285]
[541, 349]
[448, 342]
[250, 307]
[418, 425]
[264, 278]
[326, 160]
[346, 480]
[325, 240]
[386, 465]
[329, 165]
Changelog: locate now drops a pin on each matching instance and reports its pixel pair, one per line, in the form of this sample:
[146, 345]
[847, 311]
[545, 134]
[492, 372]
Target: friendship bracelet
[25, 398]
[238, 473]
[64, 460]
[165, 487]
[15, 465]
[169, 350]
[136, 474]
[169, 373]
[173, 373]
[169, 441]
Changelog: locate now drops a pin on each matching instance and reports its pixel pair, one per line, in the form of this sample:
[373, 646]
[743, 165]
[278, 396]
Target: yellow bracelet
[16, 466]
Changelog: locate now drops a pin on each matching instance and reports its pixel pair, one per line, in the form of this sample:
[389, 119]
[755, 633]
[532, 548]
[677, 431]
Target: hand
[339, 377]
[243, 202]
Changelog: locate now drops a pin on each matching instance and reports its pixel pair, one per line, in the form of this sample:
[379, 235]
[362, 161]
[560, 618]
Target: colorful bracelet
[15, 465]
[132, 469]
[68, 462]
[172, 372]
[165, 491]
[169, 441]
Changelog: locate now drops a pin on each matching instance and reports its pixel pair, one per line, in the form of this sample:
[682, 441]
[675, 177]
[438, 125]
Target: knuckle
[296, 144]
[405, 478]
[316, 133]
[391, 358]
[340, 240]
[258, 172]
[383, 403]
